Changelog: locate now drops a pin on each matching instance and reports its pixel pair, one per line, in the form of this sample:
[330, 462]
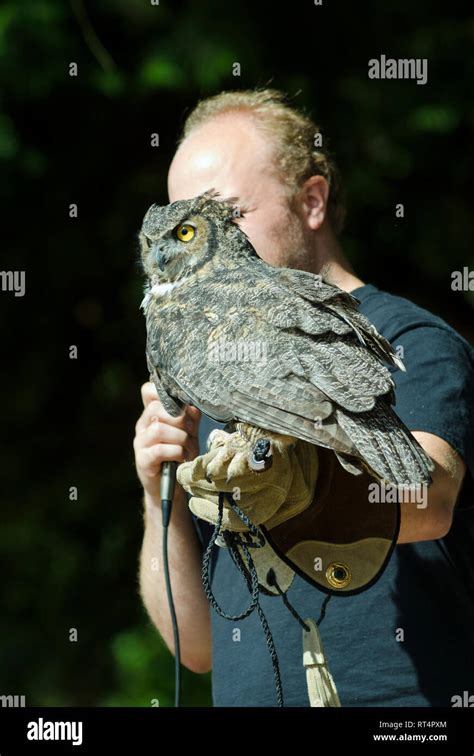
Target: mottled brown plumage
[277, 348]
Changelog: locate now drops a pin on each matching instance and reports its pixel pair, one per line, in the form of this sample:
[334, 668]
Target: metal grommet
[338, 575]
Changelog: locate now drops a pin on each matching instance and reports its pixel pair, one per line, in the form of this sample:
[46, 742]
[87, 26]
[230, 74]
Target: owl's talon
[219, 462]
[238, 466]
[217, 437]
[237, 455]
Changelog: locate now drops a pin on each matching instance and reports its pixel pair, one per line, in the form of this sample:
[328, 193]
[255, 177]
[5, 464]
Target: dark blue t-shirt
[427, 589]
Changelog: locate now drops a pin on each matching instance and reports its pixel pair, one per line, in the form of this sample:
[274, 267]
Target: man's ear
[313, 198]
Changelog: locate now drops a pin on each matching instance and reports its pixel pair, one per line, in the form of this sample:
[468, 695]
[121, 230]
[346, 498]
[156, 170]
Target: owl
[279, 349]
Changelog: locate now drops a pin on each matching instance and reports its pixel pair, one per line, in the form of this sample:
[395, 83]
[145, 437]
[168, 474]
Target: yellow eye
[185, 232]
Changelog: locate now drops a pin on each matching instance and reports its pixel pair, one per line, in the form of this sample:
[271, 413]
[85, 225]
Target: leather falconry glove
[270, 481]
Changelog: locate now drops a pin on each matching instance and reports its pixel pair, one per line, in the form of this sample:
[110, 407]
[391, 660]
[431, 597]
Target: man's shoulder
[386, 306]
[394, 315]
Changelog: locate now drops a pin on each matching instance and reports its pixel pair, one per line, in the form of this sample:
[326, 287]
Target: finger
[149, 415]
[149, 393]
[149, 460]
[193, 413]
[193, 418]
[155, 411]
[191, 449]
[160, 433]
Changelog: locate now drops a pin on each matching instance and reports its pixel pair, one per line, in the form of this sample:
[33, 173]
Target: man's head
[252, 145]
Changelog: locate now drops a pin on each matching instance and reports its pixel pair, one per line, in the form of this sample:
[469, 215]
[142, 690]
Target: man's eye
[185, 232]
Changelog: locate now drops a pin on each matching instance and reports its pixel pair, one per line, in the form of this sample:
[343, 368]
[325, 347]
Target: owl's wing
[318, 376]
[342, 303]
[172, 406]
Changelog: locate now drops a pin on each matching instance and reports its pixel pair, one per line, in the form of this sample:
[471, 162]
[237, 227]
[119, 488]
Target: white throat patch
[160, 290]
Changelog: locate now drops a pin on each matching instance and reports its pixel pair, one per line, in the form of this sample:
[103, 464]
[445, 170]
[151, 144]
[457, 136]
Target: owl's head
[179, 238]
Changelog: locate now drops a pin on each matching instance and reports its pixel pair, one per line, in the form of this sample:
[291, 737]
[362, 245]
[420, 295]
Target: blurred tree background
[87, 140]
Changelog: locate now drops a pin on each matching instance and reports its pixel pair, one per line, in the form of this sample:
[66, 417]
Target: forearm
[418, 524]
[192, 608]
[430, 514]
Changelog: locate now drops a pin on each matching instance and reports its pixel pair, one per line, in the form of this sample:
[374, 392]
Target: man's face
[230, 154]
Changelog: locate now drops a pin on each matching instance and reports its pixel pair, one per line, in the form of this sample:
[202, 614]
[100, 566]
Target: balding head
[231, 154]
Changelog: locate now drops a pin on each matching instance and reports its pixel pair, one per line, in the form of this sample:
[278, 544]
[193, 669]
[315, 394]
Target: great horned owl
[276, 348]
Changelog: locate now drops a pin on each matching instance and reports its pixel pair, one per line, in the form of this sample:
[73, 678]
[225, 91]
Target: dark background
[86, 140]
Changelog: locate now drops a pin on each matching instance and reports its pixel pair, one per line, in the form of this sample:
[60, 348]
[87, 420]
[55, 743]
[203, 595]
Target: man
[406, 641]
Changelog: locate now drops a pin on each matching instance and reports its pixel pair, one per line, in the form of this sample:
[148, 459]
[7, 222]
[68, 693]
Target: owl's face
[179, 238]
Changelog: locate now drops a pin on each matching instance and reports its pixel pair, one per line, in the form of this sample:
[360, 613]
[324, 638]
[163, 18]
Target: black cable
[167, 485]
[271, 580]
[323, 609]
[166, 511]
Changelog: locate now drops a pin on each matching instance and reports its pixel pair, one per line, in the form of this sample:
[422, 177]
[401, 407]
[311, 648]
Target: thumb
[193, 413]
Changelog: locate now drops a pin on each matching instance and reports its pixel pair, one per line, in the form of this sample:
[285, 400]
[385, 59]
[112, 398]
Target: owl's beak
[160, 256]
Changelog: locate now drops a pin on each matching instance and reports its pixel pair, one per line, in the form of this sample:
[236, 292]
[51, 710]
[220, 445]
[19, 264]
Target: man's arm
[434, 520]
[191, 605]
[160, 437]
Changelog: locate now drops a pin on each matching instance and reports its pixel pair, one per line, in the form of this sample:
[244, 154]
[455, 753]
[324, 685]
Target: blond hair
[293, 134]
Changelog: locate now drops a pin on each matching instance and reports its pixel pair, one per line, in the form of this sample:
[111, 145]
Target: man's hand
[159, 437]
[267, 496]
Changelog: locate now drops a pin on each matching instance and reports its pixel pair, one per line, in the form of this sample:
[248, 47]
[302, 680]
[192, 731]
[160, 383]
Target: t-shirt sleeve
[436, 394]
